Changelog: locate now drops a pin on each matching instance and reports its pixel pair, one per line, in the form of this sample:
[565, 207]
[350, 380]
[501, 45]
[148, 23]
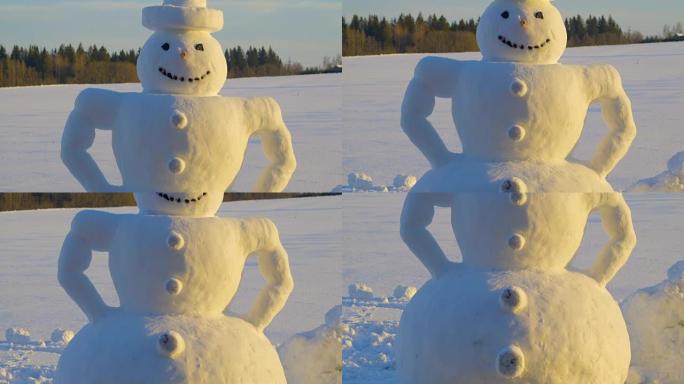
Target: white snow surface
[31, 298]
[376, 257]
[33, 119]
[374, 87]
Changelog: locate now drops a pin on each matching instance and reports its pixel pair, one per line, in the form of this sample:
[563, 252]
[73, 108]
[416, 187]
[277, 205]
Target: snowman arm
[616, 218]
[434, 77]
[94, 108]
[276, 142]
[262, 240]
[417, 215]
[90, 230]
[617, 113]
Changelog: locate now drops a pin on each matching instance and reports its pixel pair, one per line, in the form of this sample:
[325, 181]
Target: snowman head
[182, 57]
[523, 31]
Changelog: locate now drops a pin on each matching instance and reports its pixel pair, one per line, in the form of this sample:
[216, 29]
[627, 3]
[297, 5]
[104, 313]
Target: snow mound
[403, 292]
[672, 180]
[315, 357]
[360, 291]
[62, 336]
[18, 335]
[362, 182]
[655, 319]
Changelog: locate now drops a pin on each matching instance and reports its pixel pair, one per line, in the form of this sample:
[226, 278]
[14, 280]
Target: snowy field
[32, 120]
[374, 87]
[376, 256]
[30, 296]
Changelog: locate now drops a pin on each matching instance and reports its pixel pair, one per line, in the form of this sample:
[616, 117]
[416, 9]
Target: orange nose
[523, 23]
[184, 55]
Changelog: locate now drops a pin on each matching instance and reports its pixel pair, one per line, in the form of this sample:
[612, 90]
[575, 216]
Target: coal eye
[539, 15]
[505, 15]
[199, 47]
[166, 46]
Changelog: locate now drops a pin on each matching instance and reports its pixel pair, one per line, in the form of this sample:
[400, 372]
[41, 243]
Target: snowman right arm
[260, 237]
[90, 230]
[616, 218]
[433, 77]
[94, 109]
[417, 215]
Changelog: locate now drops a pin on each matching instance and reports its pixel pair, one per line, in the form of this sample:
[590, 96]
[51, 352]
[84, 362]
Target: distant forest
[373, 35]
[96, 65]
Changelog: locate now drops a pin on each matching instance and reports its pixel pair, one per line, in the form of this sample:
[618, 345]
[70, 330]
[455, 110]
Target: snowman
[174, 276]
[178, 138]
[175, 266]
[511, 311]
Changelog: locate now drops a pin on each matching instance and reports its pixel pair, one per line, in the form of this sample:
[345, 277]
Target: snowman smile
[179, 200]
[522, 47]
[172, 76]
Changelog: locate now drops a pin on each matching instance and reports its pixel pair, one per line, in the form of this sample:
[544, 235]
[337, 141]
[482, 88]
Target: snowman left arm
[616, 218]
[267, 121]
[260, 238]
[605, 85]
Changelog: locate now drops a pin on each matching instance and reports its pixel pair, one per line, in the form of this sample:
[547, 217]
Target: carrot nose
[523, 23]
[184, 55]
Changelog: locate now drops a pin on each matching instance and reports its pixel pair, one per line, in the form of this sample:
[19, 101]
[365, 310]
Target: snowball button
[179, 120]
[513, 299]
[519, 88]
[171, 344]
[510, 362]
[175, 241]
[176, 165]
[516, 133]
[516, 242]
[174, 286]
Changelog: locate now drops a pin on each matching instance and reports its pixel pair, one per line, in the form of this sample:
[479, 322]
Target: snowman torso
[176, 265]
[512, 111]
[542, 233]
[179, 143]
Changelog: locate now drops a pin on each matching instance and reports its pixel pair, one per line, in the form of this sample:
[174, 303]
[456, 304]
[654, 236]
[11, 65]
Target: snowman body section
[172, 143]
[173, 349]
[190, 265]
[514, 111]
[478, 327]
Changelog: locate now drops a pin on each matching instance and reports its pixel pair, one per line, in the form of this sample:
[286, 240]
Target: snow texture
[315, 357]
[655, 318]
[362, 182]
[669, 181]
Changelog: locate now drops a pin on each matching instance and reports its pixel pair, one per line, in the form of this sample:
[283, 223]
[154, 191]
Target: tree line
[374, 35]
[23, 66]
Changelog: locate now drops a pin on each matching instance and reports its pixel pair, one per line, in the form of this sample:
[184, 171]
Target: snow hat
[182, 15]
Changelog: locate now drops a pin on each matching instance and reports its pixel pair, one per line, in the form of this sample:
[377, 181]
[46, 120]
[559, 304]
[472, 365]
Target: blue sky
[302, 30]
[646, 16]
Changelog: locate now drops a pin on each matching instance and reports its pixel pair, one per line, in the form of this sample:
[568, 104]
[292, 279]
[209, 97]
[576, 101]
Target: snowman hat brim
[172, 18]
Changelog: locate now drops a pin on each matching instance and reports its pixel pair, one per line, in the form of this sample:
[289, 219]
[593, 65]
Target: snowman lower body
[482, 327]
[177, 349]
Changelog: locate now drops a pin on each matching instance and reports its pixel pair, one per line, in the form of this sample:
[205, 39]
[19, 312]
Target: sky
[300, 30]
[645, 16]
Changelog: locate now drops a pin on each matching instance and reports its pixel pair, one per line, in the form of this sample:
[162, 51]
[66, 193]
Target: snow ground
[375, 255]
[374, 88]
[32, 120]
[30, 296]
